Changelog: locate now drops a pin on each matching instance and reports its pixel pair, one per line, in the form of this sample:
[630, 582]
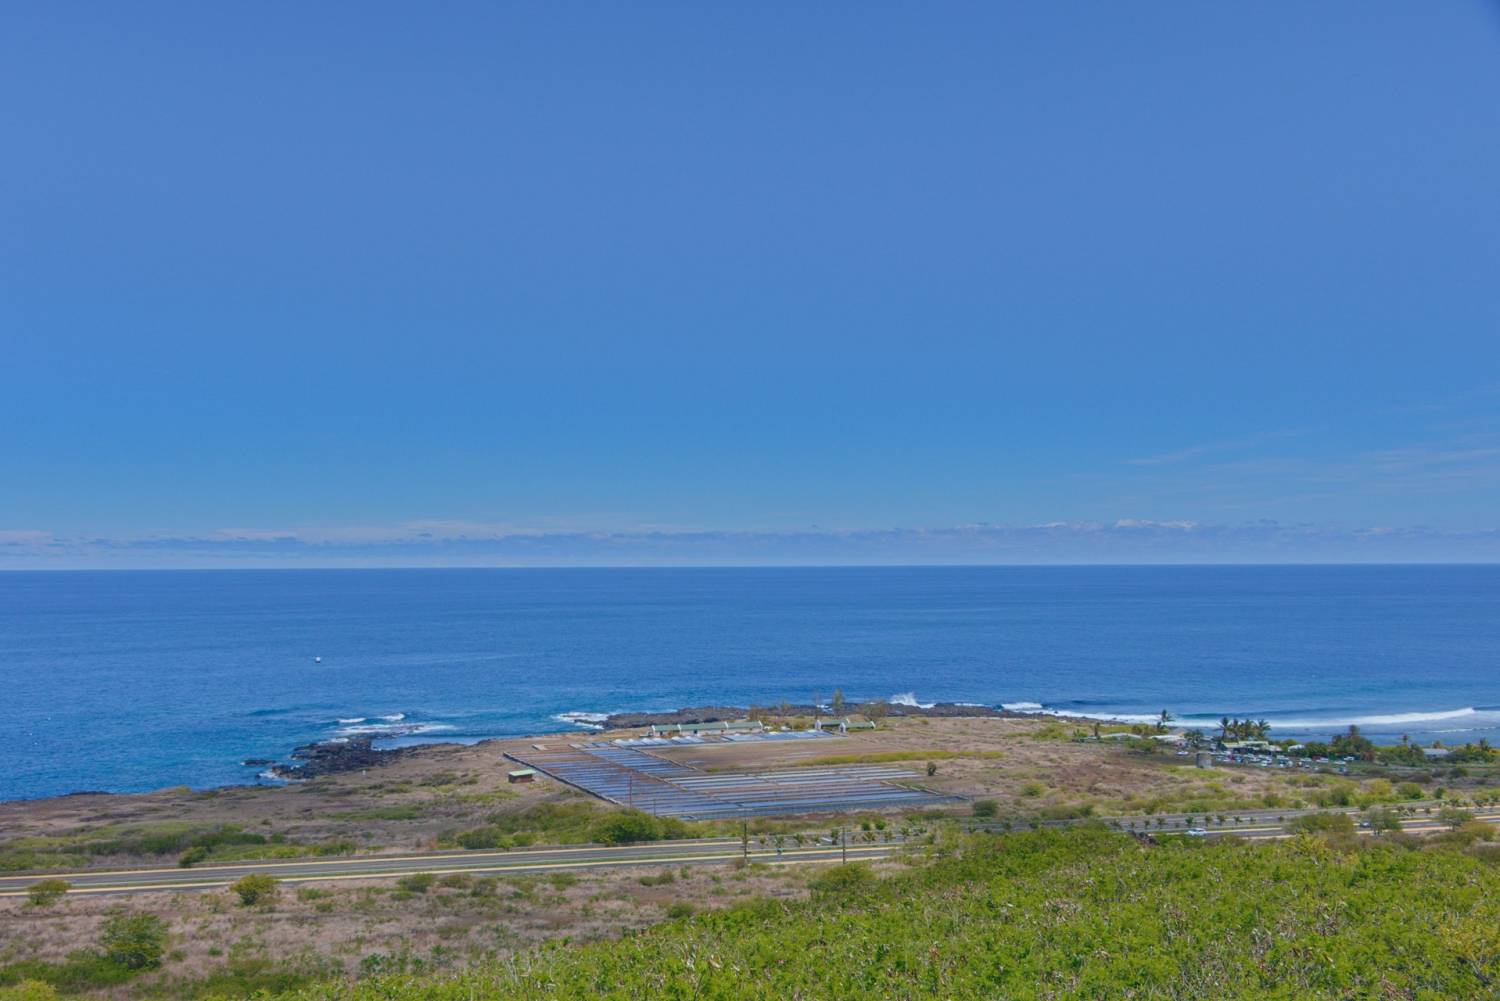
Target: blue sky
[293, 283]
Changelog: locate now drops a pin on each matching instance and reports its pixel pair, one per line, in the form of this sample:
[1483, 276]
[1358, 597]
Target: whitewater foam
[1466, 714]
[587, 720]
[908, 699]
[1331, 722]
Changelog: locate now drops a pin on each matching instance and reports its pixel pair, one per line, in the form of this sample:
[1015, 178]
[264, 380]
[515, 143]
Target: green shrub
[254, 888]
[29, 990]
[1454, 817]
[986, 808]
[843, 880]
[192, 856]
[660, 879]
[134, 941]
[47, 892]
[624, 827]
[489, 837]
[417, 882]
[1031, 790]
[681, 909]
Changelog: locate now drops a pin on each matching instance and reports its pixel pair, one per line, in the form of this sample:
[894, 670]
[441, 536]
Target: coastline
[363, 747]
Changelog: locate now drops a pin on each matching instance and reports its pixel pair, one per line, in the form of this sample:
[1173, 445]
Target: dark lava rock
[258, 762]
[333, 756]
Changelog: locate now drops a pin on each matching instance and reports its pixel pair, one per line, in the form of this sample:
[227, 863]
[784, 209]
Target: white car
[1196, 832]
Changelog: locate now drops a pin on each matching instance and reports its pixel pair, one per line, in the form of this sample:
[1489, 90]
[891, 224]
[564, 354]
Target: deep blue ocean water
[138, 680]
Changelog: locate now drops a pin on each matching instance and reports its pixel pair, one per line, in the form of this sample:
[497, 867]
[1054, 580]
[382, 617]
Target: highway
[578, 858]
[718, 851]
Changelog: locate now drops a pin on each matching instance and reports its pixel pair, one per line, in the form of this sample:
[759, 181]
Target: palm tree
[1224, 727]
[1262, 727]
[1166, 718]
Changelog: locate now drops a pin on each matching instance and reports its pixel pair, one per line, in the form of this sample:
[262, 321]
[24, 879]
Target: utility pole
[844, 844]
[745, 839]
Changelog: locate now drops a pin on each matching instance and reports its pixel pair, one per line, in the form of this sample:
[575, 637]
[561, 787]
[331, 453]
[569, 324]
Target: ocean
[126, 681]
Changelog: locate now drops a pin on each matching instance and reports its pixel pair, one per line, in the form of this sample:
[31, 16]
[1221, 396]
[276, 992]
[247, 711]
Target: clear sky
[708, 282]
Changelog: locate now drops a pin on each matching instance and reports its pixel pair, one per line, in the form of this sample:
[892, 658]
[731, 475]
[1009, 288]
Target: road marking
[347, 859]
[822, 854]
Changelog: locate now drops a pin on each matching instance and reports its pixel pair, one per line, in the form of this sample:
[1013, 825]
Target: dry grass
[337, 928]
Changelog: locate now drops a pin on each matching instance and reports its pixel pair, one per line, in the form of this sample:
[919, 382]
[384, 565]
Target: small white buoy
[317, 660]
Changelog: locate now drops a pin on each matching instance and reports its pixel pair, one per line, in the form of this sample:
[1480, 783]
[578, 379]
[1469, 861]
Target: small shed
[521, 775]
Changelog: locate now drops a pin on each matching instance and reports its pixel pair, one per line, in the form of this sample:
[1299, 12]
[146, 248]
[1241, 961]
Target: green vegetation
[1048, 914]
[662, 878]
[1383, 820]
[419, 882]
[408, 812]
[134, 941]
[223, 843]
[569, 823]
[254, 889]
[623, 827]
[47, 892]
[1454, 817]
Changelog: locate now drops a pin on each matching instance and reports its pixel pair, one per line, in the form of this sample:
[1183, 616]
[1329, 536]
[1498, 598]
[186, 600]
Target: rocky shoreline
[330, 757]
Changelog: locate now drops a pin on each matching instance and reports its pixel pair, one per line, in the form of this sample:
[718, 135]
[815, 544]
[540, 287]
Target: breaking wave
[909, 699]
[590, 721]
[1466, 718]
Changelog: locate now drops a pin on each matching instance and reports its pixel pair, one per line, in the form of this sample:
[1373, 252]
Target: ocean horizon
[128, 680]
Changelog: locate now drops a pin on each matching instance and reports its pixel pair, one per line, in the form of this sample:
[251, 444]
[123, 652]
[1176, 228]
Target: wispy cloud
[1192, 452]
[1124, 540]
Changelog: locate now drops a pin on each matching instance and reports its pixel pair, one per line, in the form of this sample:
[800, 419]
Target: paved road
[1422, 825]
[209, 877]
[715, 851]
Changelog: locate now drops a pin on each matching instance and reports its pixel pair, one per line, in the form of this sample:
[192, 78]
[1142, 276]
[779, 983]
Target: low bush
[660, 879]
[623, 827]
[47, 892]
[417, 882]
[134, 941]
[488, 837]
[843, 880]
[254, 889]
